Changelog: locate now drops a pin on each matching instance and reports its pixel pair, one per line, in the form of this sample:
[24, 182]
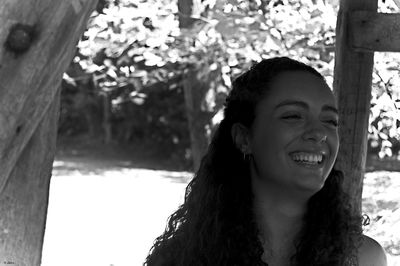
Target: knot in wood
[20, 38]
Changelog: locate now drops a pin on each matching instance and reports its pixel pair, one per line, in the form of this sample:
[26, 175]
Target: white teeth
[307, 157]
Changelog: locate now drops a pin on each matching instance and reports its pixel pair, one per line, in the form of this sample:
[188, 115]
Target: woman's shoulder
[371, 253]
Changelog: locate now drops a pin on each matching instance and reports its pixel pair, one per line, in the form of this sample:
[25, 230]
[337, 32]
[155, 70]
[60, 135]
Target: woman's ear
[241, 137]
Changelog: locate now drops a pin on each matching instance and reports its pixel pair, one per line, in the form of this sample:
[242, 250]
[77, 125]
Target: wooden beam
[352, 86]
[371, 31]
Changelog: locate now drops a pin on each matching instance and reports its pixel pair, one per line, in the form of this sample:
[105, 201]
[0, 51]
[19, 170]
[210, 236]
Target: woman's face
[295, 126]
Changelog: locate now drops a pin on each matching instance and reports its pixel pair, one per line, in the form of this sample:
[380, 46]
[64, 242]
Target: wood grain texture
[371, 31]
[352, 87]
[29, 81]
[24, 199]
[29, 104]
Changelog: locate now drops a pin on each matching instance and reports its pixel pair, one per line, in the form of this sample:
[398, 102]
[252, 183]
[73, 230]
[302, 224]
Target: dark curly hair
[216, 223]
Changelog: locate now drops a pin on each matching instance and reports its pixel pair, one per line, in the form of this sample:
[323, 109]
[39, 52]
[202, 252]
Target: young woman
[267, 192]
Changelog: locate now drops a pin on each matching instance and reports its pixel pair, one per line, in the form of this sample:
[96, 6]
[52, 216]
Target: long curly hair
[216, 223]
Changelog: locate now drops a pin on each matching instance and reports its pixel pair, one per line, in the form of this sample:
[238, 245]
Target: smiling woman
[294, 124]
[267, 191]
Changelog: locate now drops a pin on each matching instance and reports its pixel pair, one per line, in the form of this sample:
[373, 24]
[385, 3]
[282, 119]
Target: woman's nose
[315, 132]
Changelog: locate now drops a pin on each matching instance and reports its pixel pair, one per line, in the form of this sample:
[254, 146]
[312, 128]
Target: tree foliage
[133, 55]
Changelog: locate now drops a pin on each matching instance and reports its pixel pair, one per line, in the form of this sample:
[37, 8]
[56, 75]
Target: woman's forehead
[301, 86]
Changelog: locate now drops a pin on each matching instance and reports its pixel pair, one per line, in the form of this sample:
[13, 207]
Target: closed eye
[297, 117]
[291, 117]
[333, 122]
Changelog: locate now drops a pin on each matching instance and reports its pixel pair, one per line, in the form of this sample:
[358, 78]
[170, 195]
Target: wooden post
[352, 86]
[37, 43]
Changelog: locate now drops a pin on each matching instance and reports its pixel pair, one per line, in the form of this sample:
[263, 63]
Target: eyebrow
[305, 106]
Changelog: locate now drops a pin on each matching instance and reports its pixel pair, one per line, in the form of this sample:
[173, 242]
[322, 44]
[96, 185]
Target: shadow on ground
[94, 158]
[81, 151]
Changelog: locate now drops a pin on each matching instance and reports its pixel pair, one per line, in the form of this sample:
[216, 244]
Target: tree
[199, 48]
[38, 43]
[136, 51]
[195, 88]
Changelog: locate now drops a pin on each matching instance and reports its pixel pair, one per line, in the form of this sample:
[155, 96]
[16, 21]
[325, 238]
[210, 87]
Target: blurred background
[143, 95]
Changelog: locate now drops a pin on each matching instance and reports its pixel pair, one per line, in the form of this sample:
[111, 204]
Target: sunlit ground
[108, 217]
[381, 201]
[102, 215]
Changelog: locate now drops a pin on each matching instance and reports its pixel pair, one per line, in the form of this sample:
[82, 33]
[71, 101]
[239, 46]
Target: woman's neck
[279, 215]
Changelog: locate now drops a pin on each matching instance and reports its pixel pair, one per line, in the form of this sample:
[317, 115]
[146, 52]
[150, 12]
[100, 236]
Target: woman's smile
[310, 162]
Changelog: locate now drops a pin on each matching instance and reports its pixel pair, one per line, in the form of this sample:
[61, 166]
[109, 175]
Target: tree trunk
[107, 126]
[352, 86]
[38, 39]
[194, 90]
